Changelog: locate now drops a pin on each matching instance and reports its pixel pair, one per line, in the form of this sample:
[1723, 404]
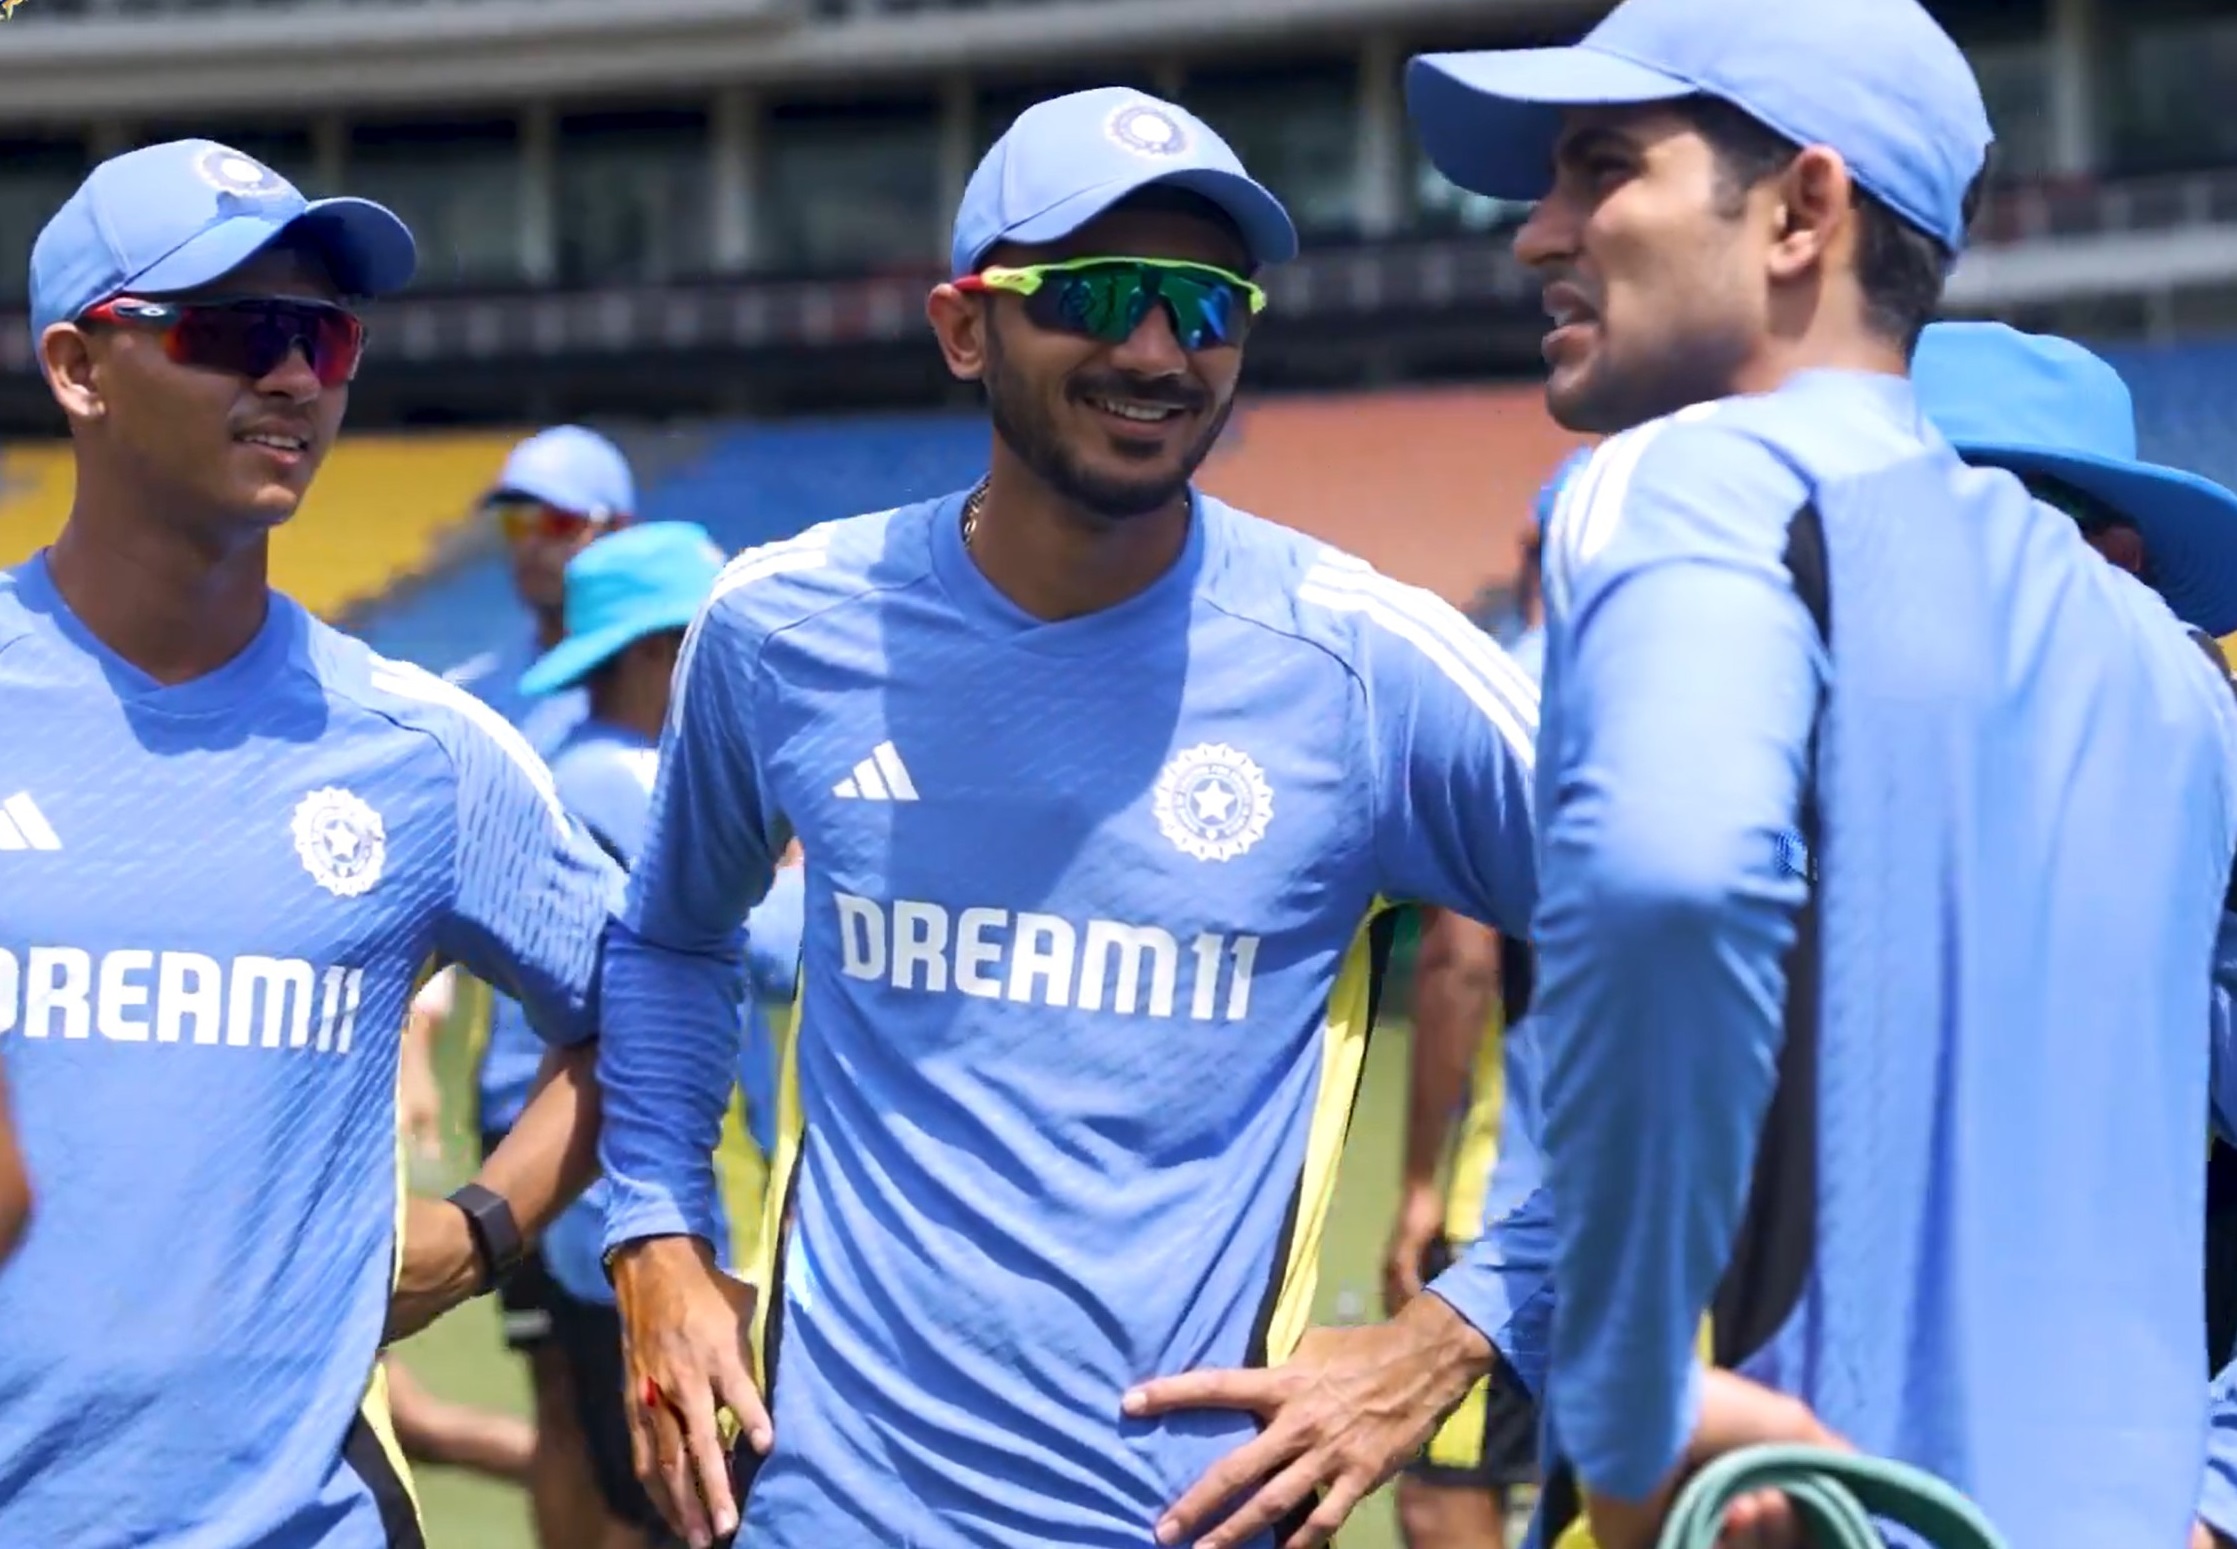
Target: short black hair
[1900, 268]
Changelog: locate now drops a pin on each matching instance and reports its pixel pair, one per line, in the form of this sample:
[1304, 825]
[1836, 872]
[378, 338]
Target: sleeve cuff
[1511, 1309]
[1621, 1450]
[633, 1214]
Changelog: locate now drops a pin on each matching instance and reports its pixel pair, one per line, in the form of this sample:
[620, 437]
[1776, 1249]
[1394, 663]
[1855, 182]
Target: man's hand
[684, 1330]
[1735, 1413]
[1421, 1221]
[1343, 1415]
[440, 1269]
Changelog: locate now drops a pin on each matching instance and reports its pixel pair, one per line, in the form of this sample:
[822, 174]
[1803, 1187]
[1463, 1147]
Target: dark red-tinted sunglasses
[524, 516]
[252, 337]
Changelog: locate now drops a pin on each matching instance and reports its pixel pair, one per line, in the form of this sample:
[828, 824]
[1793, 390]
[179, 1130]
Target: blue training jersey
[2023, 771]
[605, 774]
[1088, 974]
[512, 1054]
[219, 897]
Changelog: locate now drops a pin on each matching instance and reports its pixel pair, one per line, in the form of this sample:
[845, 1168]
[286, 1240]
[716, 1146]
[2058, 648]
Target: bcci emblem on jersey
[1212, 801]
[341, 841]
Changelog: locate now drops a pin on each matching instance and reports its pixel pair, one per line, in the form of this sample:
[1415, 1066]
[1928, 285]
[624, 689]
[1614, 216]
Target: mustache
[1164, 392]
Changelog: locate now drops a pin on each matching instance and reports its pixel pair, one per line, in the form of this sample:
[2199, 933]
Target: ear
[66, 356]
[1814, 212]
[960, 323]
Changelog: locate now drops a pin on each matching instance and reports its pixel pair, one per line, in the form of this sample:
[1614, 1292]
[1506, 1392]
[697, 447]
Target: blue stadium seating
[753, 484]
[2186, 404]
[748, 485]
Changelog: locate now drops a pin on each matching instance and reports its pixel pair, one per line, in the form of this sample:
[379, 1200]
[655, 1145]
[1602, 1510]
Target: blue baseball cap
[1067, 160]
[572, 468]
[634, 583]
[2036, 403]
[177, 216]
[1877, 80]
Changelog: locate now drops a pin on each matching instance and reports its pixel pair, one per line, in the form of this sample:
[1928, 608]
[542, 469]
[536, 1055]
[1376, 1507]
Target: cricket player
[628, 600]
[1885, 829]
[560, 491]
[1103, 788]
[245, 838]
[2061, 418]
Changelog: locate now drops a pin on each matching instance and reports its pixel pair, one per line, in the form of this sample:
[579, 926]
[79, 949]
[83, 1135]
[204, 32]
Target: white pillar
[735, 166]
[330, 154]
[958, 141]
[1381, 169]
[2076, 89]
[539, 194]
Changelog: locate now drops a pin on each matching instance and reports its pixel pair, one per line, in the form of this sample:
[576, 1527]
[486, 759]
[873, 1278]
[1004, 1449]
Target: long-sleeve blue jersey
[2023, 770]
[604, 774]
[215, 901]
[1087, 974]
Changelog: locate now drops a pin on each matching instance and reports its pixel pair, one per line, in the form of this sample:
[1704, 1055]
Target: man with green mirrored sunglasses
[1102, 785]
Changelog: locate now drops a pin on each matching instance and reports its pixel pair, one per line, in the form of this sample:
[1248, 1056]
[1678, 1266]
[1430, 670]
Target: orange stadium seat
[1431, 486]
[378, 513]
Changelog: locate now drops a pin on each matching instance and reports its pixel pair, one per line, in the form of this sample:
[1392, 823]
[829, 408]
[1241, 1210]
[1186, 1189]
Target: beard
[1027, 424]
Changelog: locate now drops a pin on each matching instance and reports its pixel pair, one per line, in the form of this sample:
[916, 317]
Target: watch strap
[497, 1239]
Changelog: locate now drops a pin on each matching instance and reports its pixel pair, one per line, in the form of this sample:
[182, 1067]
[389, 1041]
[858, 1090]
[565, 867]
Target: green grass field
[461, 1358]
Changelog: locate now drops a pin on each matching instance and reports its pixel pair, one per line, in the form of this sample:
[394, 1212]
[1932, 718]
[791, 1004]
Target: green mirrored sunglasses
[1107, 298]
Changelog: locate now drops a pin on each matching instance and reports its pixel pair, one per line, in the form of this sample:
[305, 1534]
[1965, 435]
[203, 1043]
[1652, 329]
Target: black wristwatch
[496, 1234]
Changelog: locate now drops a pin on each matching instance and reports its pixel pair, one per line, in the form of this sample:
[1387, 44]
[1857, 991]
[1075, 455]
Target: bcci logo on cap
[1147, 130]
[340, 840]
[1212, 801]
[230, 172]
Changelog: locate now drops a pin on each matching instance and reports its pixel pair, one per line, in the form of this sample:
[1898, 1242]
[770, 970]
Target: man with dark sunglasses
[240, 840]
[1103, 787]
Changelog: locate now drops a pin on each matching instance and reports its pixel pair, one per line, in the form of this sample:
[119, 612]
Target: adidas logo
[24, 827]
[880, 777]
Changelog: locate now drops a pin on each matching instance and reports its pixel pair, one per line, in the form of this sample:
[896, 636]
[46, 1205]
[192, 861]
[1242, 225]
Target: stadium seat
[2186, 404]
[36, 484]
[1432, 486]
[378, 513]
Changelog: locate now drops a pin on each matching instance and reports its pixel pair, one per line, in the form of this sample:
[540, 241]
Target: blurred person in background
[2061, 418]
[248, 836]
[559, 491]
[1747, 211]
[1471, 989]
[628, 600]
[1101, 784]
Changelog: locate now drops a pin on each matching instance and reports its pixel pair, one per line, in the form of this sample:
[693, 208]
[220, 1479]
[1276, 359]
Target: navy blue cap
[1067, 160]
[177, 216]
[1877, 80]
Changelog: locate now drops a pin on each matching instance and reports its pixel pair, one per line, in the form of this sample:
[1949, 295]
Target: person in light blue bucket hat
[2061, 418]
[629, 599]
